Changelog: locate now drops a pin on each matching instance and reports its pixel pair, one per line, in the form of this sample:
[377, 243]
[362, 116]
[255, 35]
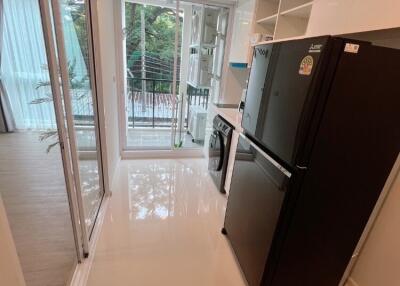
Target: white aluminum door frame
[94, 52]
[96, 108]
[63, 65]
[175, 106]
[62, 133]
[93, 85]
[56, 52]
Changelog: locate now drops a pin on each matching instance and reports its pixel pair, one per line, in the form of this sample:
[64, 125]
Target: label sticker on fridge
[351, 48]
[315, 48]
[306, 65]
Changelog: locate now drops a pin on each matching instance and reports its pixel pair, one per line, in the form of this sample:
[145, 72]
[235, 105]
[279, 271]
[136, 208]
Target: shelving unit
[204, 32]
[281, 18]
[266, 8]
[292, 4]
[255, 20]
[302, 11]
[265, 16]
[294, 21]
[270, 20]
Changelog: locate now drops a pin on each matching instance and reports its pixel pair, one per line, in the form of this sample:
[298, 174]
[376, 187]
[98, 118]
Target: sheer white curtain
[24, 65]
[7, 123]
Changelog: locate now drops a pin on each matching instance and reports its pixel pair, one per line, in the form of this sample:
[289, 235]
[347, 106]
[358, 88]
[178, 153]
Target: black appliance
[321, 134]
[220, 142]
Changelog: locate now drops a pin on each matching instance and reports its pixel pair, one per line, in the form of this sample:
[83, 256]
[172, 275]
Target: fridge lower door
[257, 193]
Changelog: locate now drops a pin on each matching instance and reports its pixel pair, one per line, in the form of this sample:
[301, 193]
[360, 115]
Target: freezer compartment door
[288, 96]
[255, 87]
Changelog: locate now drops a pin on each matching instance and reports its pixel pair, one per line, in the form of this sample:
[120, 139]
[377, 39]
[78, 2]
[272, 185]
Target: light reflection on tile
[163, 228]
[91, 193]
[138, 137]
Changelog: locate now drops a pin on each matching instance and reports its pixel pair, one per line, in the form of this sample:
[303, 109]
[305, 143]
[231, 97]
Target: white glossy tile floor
[162, 227]
[139, 138]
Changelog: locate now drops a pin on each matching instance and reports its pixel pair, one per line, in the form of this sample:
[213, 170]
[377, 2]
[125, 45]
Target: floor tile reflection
[158, 138]
[163, 228]
[139, 138]
[91, 192]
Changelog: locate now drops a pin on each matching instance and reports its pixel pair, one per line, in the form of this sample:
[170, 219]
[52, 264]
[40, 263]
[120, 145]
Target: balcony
[150, 112]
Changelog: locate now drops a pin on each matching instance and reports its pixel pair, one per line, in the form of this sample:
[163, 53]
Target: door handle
[301, 167]
[266, 156]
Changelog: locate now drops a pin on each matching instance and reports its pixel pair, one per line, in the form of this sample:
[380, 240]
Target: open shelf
[270, 20]
[293, 22]
[302, 11]
[291, 4]
[266, 9]
[280, 19]
[291, 27]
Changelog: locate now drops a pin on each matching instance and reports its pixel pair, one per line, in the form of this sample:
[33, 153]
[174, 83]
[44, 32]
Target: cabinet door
[241, 30]
[341, 16]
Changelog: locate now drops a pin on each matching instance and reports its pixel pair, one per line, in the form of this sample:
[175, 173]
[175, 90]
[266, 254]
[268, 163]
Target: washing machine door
[216, 151]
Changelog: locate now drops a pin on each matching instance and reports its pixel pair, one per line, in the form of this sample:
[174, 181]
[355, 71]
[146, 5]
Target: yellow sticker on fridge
[306, 65]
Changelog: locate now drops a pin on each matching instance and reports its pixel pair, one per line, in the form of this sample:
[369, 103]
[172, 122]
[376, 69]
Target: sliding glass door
[149, 45]
[69, 33]
[78, 69]
[51, 179]
[34, 186]
[173, 53]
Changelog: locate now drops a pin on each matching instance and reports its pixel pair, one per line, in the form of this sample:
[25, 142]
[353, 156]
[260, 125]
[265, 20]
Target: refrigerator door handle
[266, 156]
[301, 167]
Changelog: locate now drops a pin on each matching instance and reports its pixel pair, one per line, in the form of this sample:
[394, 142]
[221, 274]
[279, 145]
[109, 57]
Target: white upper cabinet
[345, 16]
[242, 25]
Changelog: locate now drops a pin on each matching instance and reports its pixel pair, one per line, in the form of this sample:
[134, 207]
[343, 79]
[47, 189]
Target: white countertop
[232, 115]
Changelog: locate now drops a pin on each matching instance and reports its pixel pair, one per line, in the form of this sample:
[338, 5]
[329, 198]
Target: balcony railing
[151, 102]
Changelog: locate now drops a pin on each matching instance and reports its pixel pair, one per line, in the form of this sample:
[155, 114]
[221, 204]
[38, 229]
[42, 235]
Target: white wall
[379, 260]
[350, 16]
[106, 47]
[236, 82]
[10, 268]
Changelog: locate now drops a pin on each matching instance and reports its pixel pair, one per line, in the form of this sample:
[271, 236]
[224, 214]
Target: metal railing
[151, 102]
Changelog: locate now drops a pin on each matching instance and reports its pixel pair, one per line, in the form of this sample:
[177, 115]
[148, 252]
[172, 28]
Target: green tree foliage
[78, 14]
[160, 32]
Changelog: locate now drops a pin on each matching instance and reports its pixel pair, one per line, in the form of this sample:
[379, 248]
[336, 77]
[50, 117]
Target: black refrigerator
[321, 135]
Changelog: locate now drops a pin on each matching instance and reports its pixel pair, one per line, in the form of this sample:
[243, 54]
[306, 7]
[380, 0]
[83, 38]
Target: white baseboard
[114, 177]
[163, 154]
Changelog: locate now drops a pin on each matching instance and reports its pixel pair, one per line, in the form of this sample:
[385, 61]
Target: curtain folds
[24, 72]
[7, 123]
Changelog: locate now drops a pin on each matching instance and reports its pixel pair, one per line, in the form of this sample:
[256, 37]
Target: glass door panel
[82, 93]
[77, 68]
[149, 46]
[162, 49]
[34, 182]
